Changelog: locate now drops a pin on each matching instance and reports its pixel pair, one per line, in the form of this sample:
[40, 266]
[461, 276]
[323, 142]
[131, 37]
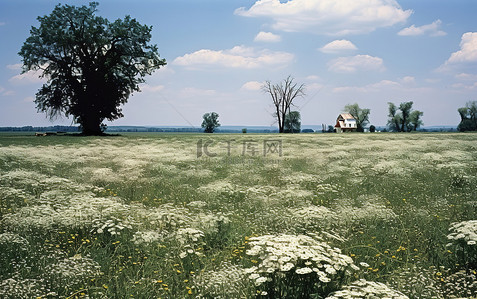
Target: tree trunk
[91, 125]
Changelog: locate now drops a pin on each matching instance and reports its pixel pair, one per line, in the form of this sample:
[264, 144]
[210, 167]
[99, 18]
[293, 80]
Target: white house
[345, 123]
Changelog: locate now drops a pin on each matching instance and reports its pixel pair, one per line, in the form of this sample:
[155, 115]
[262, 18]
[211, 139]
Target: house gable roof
[346, 116]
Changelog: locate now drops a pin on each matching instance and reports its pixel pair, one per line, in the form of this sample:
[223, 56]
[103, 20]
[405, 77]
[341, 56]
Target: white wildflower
[304, 270]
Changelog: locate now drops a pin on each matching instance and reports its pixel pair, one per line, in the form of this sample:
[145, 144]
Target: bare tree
[283, 94]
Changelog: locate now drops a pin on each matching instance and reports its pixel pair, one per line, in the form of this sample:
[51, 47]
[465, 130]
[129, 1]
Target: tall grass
[142, 216]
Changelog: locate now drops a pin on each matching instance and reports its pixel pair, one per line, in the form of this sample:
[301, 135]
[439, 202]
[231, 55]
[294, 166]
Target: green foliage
[92, 65]
[292, 122]
[468, 115]
[210, 122]
[360, 115]
[404, 120]
[372, 129]
[415, 120]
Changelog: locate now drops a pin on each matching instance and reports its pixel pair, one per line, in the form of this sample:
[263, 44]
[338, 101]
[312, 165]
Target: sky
[219, 53]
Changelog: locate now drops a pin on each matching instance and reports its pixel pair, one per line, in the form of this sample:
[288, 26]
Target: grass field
[238, 216]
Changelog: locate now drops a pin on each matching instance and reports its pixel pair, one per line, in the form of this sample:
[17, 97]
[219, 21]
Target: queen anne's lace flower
[302, 254]
[367, 289]
[465, 231]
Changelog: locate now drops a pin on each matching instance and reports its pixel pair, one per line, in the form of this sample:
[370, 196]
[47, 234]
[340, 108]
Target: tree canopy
[360, 115]
[283, 94]
[404, 119]
[92, 65]
[292, 122]
[468, 115]
[210, 122]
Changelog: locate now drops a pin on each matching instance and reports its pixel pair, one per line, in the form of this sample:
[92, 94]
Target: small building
[345, 123]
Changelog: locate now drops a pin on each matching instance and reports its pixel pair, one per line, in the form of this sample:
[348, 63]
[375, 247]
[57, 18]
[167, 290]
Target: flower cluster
[211, 223]
[23, 288]
[299, 254]
[10, 240]
[190, 240]
[347, 211]
[464, 231]
[146, 237]
[166, 217]
[70, 272]
[228, 281]
[112, 226]
[417, 281]
[367, 289]
[461, 284]
[313, 216]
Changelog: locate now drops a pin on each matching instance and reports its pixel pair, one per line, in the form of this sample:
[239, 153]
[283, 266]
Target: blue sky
[219, 53]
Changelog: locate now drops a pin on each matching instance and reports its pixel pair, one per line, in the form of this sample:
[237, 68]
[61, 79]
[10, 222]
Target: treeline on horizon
[132, 129]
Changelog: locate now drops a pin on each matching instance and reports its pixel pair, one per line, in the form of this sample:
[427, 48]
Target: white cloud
[356, 63]
[384, 84]
[338, 46]
[267, 37]
[468, 49]
[237, 57]
[328, 16]
[466, 57]
[466, 77]
[252, 86]
[4, 92]
[27, 78]
[462, 86]
[431, 29]
[192, 92]
[408, 80]
[15, 67]
[151, 88]
[314, 86]
[313, 78]
[29, 99]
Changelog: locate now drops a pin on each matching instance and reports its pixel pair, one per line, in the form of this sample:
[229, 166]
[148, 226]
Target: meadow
[239, 216]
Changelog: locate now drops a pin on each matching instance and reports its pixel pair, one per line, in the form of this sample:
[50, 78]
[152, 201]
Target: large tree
[361, 115]
[210, 122]
[283, 94]
[468, 115]
[404, 120]
[92, 65]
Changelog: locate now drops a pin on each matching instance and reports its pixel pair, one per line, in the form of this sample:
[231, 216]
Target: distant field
[238, 216]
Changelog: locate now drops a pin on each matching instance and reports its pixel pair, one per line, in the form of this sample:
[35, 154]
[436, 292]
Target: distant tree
[404, 120]
[468, 115]
[244, 130]
[292, 122]
[360, 115]
[92, 65]
[283, 94]
[372, 129]
[415, 120]
[308, 131]
[394, 118]
[210, 122]
[405, 108]
[331, 129]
